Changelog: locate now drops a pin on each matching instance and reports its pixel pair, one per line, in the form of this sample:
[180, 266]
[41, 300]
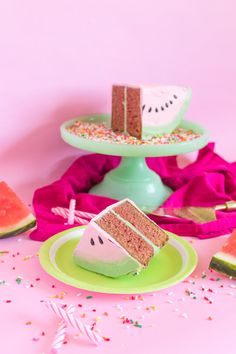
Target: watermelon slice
[15, 217]
[225, 260]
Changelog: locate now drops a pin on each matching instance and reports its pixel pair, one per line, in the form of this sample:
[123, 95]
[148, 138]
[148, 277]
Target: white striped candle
[71, 216]
[69, 318]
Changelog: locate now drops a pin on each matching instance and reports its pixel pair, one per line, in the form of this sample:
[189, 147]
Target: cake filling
[156, 249]
[135, 245]
[142, 223]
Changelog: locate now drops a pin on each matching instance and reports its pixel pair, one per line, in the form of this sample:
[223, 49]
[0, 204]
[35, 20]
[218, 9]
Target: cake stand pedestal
[133, 179]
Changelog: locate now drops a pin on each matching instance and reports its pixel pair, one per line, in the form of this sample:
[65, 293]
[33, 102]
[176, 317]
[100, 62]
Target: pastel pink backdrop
[59, 59]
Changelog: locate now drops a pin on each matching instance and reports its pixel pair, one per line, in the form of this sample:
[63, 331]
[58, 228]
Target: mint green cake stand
[133, 179]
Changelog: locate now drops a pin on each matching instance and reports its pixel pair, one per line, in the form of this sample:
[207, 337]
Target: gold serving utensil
[197, 214]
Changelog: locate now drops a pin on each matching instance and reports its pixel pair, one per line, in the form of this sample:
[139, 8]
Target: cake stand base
[133, 179]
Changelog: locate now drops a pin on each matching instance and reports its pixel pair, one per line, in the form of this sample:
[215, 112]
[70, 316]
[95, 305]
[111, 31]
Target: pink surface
[164, 329]
[58, 60]
[60, 57]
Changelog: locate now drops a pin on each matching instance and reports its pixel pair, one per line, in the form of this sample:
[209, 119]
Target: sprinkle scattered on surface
[184, 315]
[3, 252]
[19, 279]
[130, 312]
[60, 296]
[106, 339]
[27, 258]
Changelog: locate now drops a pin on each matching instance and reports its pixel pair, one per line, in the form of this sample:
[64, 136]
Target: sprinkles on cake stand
[101, 132]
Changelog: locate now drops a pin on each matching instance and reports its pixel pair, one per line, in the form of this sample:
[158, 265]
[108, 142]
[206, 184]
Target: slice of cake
[225, 260]
[143, 111]
[119, 240]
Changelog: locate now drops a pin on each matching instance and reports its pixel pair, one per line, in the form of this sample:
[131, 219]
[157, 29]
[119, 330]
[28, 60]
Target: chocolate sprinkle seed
[100, 240]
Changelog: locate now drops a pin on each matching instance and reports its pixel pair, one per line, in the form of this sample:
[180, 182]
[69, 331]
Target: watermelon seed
[162, 108]
[150, 109]
[175, 96]
[167, 105]
[143, 107]
[170, 102]
[156, 109]
[100, 240]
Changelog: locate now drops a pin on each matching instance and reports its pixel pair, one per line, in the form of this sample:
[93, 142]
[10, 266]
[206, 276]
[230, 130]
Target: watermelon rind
[224, 263]
[26, 224]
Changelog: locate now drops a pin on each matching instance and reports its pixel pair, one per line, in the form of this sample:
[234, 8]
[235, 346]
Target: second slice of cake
[119, 240]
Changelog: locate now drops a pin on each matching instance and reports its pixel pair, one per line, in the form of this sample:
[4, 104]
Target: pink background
[59, 59]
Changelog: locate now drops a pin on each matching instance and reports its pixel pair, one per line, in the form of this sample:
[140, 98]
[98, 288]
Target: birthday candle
[71, 216]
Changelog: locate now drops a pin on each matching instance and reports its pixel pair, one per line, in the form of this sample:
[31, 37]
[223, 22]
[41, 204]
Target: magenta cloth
[209, 181]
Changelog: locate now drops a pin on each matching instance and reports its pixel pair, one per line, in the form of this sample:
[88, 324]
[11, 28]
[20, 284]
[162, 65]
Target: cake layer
[141, 222]
[134, 244]
[118, 111]
[134, 116]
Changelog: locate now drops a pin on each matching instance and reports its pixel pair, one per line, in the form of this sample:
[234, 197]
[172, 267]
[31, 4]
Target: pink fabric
[209, 181]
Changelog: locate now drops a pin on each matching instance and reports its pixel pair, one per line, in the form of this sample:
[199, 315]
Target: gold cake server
[199, 215]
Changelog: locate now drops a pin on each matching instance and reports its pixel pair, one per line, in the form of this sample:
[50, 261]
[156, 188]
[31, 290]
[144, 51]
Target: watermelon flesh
[225, 260]
[230, 246]
[15, 217]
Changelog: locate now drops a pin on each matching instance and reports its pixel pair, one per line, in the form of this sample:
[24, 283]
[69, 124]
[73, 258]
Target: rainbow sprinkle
[102, 133]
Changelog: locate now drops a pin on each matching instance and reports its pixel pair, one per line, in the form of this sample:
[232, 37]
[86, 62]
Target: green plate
[174, 263]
